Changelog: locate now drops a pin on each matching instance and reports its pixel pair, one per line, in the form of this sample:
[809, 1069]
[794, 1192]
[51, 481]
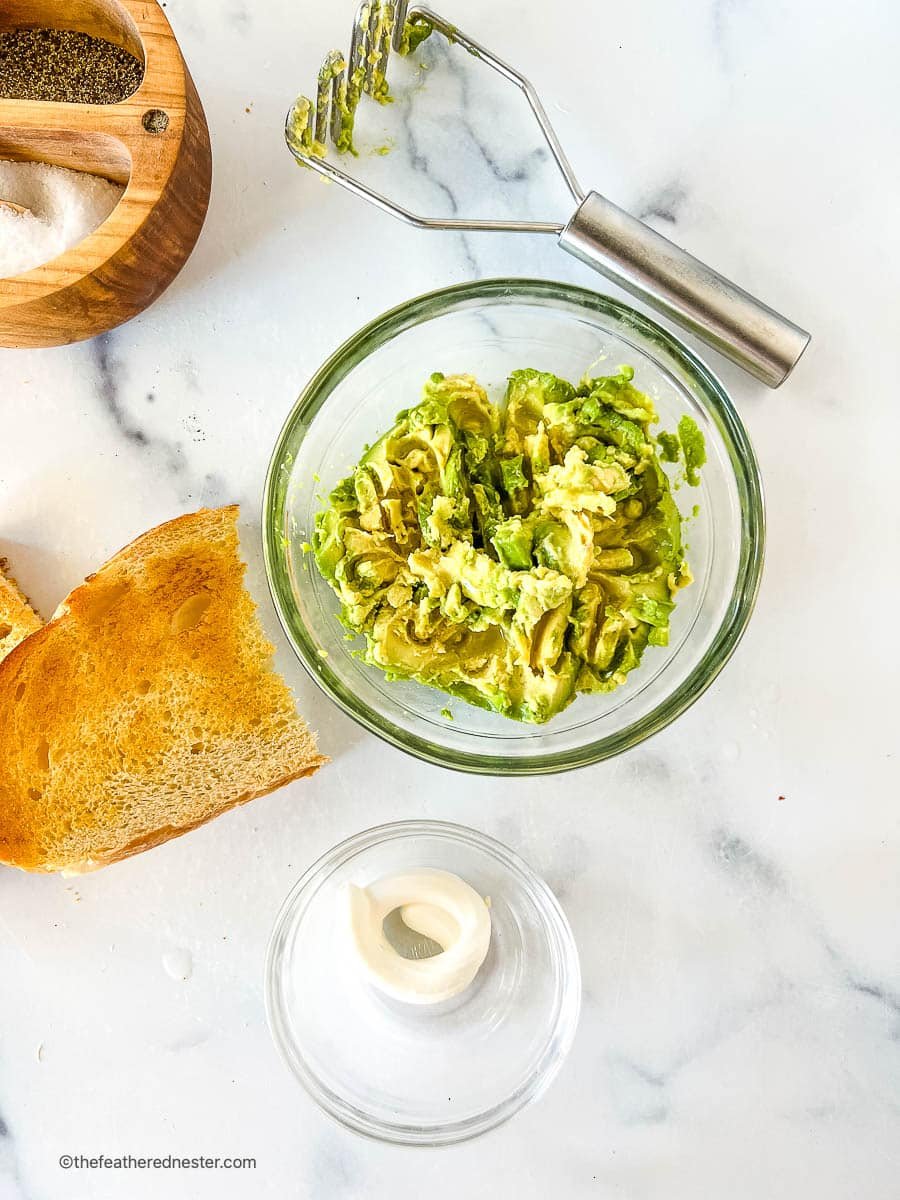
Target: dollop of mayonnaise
[436, 904]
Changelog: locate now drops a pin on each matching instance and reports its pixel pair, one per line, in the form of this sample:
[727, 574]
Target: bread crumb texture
[17, 618]
[146, 707]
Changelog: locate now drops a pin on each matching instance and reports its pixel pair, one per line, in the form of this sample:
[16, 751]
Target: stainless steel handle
[648, 265]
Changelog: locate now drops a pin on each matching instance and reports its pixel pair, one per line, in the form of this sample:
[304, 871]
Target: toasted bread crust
[158, 836]
[146, 707]
[17, 618]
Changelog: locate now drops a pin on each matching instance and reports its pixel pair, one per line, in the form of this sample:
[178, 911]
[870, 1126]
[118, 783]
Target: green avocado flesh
[510, 556]
[346, 92]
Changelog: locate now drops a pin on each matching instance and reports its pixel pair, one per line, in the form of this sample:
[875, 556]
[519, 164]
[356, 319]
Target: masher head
[382, 26]
[612, 241]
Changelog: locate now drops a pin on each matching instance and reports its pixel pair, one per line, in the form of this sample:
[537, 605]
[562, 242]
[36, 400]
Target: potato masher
[600, 233]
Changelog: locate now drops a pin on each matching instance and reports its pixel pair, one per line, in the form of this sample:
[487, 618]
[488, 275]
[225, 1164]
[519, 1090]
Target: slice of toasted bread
[147, 706]
[17, 618]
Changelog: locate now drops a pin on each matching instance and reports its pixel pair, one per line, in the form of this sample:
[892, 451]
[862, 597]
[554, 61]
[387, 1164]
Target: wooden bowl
[156, 143]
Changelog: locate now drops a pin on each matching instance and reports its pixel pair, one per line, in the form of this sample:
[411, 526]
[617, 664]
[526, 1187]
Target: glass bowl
[487, 329]
[412, 1074]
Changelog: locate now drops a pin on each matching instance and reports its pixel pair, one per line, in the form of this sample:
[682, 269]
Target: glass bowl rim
[718, 407]
[568, 1008]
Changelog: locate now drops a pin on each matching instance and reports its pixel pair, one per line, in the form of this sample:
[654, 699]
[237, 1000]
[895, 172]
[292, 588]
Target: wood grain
[121, 268]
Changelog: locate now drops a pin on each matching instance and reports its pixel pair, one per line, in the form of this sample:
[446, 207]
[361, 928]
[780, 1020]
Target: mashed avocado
[512, 557]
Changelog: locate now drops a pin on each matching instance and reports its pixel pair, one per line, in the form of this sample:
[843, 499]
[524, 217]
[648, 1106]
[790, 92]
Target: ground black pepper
[58, 64]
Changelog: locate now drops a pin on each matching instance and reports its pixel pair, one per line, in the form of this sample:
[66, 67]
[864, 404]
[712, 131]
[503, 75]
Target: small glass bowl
[488, 329]
[412, 1074]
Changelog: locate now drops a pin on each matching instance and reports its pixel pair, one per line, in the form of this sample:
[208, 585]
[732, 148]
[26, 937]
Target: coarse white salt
[64, 207]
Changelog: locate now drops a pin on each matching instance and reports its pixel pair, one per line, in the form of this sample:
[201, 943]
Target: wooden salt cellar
[156, 143]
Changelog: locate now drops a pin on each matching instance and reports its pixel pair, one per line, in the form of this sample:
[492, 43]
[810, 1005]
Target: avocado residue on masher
[510, 556]
[347, 95]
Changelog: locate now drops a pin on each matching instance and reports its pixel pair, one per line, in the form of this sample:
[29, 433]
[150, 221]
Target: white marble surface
[733, 884]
